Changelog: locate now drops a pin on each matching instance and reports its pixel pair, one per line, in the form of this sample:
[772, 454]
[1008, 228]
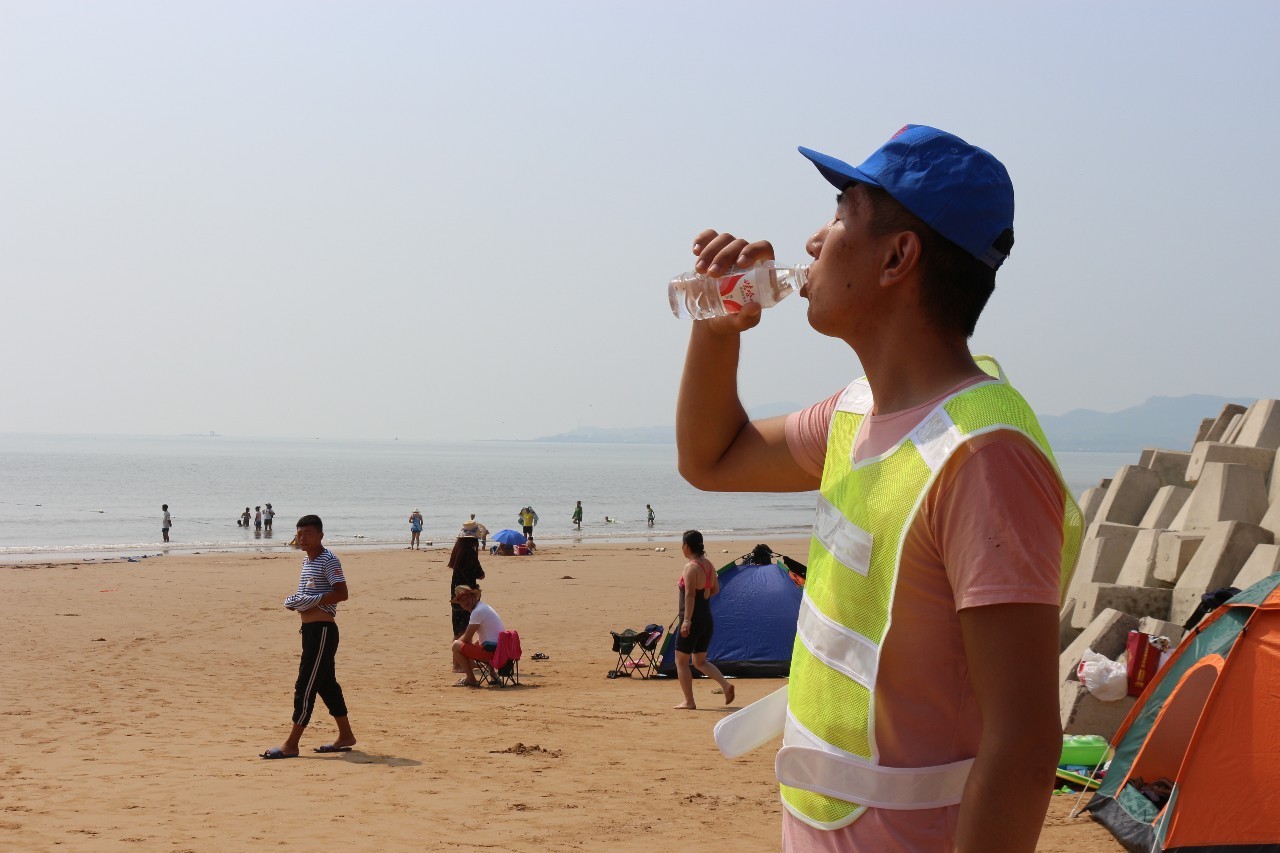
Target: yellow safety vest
[829, 764]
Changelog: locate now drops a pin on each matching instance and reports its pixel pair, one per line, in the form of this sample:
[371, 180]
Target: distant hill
[1169, 423]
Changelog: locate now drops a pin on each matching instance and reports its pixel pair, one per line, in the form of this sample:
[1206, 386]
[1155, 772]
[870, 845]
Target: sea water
[92, 496]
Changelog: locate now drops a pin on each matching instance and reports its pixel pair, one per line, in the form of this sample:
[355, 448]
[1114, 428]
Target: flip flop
[541, 656]
[462, 682]
[276, 752]
[330, 747]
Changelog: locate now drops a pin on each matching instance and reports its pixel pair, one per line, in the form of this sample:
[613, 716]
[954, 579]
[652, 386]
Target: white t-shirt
[166, 524]
[490, 623]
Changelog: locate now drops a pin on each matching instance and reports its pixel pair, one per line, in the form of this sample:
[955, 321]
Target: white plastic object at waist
[702, 297]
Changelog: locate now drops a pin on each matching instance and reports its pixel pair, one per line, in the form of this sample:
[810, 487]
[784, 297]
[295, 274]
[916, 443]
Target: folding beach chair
[637, 651]
[504, 668]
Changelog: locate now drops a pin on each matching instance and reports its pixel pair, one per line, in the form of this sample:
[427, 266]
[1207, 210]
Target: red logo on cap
[901, 131]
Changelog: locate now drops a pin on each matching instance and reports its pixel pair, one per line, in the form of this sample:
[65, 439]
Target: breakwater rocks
[1160, 534]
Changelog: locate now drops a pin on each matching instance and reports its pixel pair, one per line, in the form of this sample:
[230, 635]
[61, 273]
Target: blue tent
[755, 617]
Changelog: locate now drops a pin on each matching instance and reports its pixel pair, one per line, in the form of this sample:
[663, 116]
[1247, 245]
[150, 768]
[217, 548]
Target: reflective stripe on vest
[829, 765]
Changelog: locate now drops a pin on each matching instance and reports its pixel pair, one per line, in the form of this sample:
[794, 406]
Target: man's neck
[909, 369]
[311, 555]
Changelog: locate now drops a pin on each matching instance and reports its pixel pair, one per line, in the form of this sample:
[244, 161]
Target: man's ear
[901, 257]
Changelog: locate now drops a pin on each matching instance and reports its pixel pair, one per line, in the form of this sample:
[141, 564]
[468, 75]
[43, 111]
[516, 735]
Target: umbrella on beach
[509, 537]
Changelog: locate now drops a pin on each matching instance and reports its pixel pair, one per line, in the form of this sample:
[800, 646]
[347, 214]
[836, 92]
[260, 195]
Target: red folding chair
[503, 670]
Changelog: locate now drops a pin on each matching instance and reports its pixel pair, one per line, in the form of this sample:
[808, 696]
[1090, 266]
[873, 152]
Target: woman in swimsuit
[698, 582]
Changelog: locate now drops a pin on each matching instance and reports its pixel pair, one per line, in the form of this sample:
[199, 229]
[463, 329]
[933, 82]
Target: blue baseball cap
[958, 189]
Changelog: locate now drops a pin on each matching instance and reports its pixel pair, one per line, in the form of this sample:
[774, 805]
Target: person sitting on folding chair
[480, 639]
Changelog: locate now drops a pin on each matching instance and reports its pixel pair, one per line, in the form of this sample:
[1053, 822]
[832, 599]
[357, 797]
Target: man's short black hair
[311, 521]
[955, 286]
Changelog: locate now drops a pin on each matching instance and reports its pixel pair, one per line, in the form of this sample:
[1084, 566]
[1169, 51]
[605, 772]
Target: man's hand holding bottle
[731, 282]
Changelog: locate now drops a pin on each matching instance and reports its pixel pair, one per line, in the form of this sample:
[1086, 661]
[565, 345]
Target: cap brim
[837, 172]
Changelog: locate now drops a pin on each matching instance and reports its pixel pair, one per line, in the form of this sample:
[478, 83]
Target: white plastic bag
[1105, 678]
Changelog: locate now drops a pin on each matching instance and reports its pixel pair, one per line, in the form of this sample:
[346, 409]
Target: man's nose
[813, 246]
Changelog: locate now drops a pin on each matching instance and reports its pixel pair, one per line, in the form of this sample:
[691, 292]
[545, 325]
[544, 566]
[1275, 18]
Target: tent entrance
[1166, 746]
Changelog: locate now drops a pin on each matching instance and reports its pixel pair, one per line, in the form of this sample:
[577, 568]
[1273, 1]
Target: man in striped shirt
[320, 588]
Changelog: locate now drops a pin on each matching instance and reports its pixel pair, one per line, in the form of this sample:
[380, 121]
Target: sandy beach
[140, 695]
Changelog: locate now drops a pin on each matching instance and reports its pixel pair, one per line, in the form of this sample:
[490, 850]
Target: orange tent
[1206, 731]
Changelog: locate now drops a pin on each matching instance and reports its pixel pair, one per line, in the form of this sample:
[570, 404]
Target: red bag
[1143, 661]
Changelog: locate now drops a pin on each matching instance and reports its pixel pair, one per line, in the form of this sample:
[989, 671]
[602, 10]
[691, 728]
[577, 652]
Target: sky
[439, 221]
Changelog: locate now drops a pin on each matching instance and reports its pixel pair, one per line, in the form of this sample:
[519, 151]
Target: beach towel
[508, 649]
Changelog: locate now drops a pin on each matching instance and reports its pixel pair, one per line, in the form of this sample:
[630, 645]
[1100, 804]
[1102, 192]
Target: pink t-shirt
[989, 532]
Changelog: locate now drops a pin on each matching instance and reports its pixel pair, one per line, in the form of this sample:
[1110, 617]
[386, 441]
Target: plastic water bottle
[702, 297]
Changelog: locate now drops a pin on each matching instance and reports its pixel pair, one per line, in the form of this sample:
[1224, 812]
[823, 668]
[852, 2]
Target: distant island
[1164, 422]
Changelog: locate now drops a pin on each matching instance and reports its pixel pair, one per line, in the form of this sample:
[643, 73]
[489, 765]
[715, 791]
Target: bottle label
[700, 296]
[738, 290]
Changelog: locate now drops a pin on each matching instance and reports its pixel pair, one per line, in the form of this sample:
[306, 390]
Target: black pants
[461, 618]
[316, 673]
